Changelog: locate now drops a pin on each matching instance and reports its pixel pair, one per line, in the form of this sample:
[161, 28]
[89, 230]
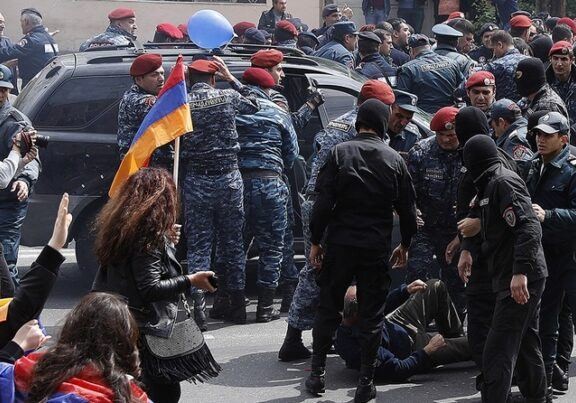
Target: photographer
[15, 189]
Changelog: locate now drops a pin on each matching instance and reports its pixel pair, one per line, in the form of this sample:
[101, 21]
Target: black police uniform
[511, 236]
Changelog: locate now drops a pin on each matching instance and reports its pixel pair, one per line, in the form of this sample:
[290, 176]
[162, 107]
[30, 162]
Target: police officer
[551, 181]
[446, 45]
[167, 33]
[342, 45]
[148, 75]
[372, 64]
[35, 49]
[240, 29]
[483, 53]
[268, 145]
[402, 133]
[503, 66]
[360, 186]
[561, 75]
[4, 43]
[213, 190]
[307, 42]
[14, 196]
[435, 167]
[285, 34]
[330, 15]
[431, 77]
[120, 32]
[511, 233]
[481, 91]
[537, 95]
[271, 60]
[305, 301]
[510, 129]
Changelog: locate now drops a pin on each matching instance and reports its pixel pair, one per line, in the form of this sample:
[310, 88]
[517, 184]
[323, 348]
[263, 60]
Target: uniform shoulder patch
[521, 152]
[510, 216]
[345, 127]
[23, 42]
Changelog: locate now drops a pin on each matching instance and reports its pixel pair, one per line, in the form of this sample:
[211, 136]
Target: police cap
[506, 109]
[480, 79]
[329, 9]
[455, 15]
[254, 35]
[31, 10]
[406, 101]
[5, 77]
[379, 90]
[520, 21]
[568, 22]
[203, 66]
[446, 30]
[309, 35]
[287, 27]
[369, 36]
[345, 28]
[145, 64]
[488, 27]
[553, 122]
[184, 29]
[418, 40]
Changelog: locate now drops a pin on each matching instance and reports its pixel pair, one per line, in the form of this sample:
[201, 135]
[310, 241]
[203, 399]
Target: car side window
[86, 104]
[337, 102]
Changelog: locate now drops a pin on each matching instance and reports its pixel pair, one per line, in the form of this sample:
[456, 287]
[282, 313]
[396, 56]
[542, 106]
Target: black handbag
[184, 356]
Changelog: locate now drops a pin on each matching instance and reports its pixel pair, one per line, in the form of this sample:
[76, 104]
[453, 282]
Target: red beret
[287, 26]
[480, 78]
[121, 13]
[184, 29]
[241, 27]
[378, 90]
[267, 58]
[258, 76]
[455, 14]
[520, 21]
[145, 64]
[169, 30]
[444, 119]
[203, 66]
[569, 22]
[562, 48]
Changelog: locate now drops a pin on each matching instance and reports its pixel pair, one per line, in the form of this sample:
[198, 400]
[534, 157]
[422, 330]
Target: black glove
[315, 97]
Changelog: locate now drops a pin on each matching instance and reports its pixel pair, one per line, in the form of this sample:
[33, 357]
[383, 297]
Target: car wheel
[85, 256]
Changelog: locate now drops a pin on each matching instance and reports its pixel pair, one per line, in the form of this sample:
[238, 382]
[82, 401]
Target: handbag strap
[186, 306]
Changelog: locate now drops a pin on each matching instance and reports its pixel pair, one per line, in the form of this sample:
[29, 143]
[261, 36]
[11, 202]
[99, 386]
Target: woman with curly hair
[95, 359]
[134, 237]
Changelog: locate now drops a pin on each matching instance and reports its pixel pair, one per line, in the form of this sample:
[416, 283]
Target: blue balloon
[209, 29]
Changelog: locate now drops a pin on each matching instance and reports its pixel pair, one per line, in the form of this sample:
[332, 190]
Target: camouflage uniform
[567, 92]
[113, 36]
[307, 294]
[514, 141]
[435, 173]
[134, 106]
[546, 99]
[504, 69]
[213, 191]
[268, 145]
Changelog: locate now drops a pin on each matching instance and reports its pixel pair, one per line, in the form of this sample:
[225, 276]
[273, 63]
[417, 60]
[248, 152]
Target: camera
[27, 141]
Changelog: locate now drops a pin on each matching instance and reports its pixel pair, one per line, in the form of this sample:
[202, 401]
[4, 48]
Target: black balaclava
[469, 122]
[374, 114]
[530, 76]
[541, 47]
[480, 154]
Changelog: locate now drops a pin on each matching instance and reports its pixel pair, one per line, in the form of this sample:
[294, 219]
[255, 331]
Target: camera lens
[42, 141]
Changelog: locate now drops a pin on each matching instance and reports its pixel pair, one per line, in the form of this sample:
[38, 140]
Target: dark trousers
[565, 343]
[12, 214]
[513, 342]
[161, 392]
[480, 312]
[559, 287]
[341, 265]
[424, 307]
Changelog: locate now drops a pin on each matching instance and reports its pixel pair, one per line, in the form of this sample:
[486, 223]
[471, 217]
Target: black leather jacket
[151, 283]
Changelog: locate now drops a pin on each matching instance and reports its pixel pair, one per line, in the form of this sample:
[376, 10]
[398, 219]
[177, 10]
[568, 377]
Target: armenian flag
[168, 119]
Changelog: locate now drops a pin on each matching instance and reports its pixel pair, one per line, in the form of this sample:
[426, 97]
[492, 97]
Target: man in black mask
[513, 255]
[358, 189]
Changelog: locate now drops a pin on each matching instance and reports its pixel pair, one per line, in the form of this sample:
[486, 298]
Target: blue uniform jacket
[481, 54]
[334, 50]
[34, 51]
[396, 360]
[504, 69]
[555, 191]
[399, 57]
[431, 77]
[514, 141]
[267, 138]
[113, 36]
[464, 61]
[375, 66]
[214, 142]
[405, 140]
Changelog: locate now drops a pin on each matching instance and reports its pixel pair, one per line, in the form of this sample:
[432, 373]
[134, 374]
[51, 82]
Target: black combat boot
[293, 349]
[237, 311]
[365, 391]
[316, 382]
[287, 294]
[559, 378]
[221, 304]
[265, 311]
[200, 309]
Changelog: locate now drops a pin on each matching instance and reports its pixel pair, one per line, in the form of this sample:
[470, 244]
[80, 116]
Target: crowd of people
[486, 202]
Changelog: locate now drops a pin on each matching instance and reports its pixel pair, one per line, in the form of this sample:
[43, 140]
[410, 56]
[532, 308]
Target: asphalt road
[251, 370]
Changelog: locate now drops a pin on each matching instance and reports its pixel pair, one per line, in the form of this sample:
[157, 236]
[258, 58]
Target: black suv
[74, 100]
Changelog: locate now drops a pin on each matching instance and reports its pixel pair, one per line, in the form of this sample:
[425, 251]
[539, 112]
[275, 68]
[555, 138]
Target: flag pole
[176, 160]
